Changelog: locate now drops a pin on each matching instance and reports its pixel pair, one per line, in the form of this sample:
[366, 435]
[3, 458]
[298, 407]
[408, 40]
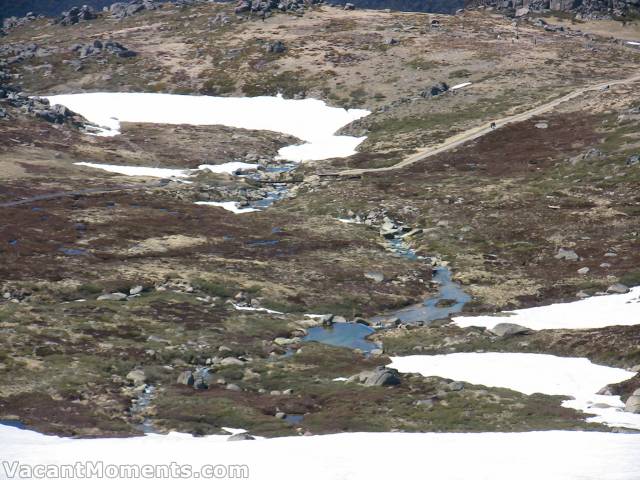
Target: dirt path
[483, 129]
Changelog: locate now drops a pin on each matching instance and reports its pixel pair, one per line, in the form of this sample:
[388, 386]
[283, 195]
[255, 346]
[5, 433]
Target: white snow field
[309, 120]
[533, 373]
[138, 171]
[230, 206]
[551, 455]
[593, 312]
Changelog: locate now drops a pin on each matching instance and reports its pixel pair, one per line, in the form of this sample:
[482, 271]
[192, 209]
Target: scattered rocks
[97, 47]
[507, 330]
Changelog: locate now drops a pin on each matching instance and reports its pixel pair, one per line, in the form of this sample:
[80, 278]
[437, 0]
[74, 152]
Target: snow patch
[533, 373]
[138, 171]
[549, 455]
[310, 120]
[593, 312]
[460, 85]
[230, 206]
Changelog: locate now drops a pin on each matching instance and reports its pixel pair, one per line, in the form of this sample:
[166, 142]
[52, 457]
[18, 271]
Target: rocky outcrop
[76, 15]
[97, 47]
[127, 9]
[587, 9]
[264, 7]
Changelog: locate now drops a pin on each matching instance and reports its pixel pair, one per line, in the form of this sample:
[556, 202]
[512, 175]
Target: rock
[349, 6]
[435, 90]
[380, 377]
[633, 403]
[233, 387]
[186, 378]
[137, 377]
[377, 277]
[583, 270]
[229, 361]
[633, 160]
[136, 290]
[636, 368]
[456, 386]
[506, 330]
[618, 288]
[76, 14]
[236, 437]
[276, 47]
[112, 296]
[567, 254]
[326, 320]
[427, 403]
[281, 415]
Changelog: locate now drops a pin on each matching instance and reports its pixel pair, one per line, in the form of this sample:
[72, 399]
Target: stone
[427, 403]
[186, 378]
[633, 160]
[377, 277]
[276, 47]
[506, 330]
[618, 288]
[230, 361]
[456, 386]
[349, 6]
[137, 377]
[633, 404]
[233, 387]
[117, 296]
[583, 270]
[567, 254]
[236, 437]
[136, 290]
[380, 377]
[435, 90]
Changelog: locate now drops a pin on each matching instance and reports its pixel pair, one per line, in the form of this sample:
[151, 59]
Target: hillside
[306, 221]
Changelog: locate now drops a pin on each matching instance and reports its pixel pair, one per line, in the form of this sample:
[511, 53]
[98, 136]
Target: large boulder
[633, 403]
[380, 377]
[506, 330]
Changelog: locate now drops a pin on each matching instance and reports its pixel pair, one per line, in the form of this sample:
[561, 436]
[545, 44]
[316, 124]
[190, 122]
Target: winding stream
[450, 299]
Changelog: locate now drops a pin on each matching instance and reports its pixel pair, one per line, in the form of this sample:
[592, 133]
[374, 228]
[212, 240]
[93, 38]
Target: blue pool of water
[349, 335]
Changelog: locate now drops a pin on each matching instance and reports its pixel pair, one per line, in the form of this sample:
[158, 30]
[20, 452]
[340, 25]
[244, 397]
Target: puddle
[293, 419]
[14, 423]
[349, 335]
[73, 251]
[262, 243]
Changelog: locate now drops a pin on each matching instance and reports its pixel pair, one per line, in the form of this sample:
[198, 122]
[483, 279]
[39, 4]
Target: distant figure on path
[493, 125]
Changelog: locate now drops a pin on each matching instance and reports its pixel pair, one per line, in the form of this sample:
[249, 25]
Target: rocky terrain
[126, 308]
